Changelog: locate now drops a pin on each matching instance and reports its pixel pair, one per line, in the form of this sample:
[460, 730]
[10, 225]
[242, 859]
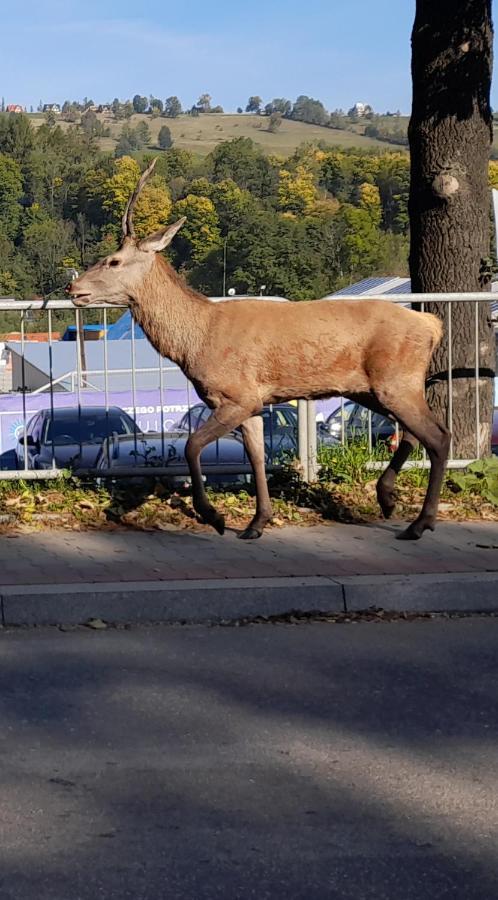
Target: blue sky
[338, 51]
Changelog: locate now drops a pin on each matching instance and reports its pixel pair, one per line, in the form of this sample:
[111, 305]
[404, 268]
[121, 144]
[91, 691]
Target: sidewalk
[59, 576]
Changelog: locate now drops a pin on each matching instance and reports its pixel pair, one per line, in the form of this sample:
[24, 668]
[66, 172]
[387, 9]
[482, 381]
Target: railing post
[302, 437]
[312, 448]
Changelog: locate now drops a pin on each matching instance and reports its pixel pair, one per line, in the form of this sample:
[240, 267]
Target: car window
[34, 427]
[194, 418]
[344, 413]
[275, 419]
[85, 428]
[204, 416]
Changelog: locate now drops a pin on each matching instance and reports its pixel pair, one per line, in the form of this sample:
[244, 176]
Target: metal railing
[88, 384]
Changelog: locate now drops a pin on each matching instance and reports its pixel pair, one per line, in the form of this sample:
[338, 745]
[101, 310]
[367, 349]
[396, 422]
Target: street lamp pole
[225, 266]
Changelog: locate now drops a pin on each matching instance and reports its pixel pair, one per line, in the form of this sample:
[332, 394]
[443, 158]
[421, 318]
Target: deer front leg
[222, 421]
[252, 432]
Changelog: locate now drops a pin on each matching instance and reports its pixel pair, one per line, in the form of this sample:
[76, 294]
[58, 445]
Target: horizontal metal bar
[9, 304]
[471, 297]
[422, 464]
[127, 471]
[31, 474]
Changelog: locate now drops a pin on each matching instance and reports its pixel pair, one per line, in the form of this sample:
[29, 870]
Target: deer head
[116, 278]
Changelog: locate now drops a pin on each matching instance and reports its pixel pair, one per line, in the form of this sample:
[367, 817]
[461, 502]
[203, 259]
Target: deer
[243, 355]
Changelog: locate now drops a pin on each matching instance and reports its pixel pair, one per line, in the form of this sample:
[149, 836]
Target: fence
[97, 376]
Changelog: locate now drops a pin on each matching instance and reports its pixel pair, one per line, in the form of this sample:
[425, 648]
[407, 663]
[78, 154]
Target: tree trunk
[450, 134]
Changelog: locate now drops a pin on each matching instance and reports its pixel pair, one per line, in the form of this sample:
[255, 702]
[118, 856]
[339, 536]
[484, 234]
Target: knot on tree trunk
[445, 185]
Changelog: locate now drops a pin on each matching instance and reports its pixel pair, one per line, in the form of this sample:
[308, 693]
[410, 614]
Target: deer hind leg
[252, 432]
[416, 419]
[385, 484]
[221, 422]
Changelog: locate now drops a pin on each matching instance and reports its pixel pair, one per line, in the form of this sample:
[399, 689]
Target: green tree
[172, 107]
[11, 191]
[16, 136]
[156, 104]
[176, 163]
[279, 105]
[275, 122]
[254, 105]
[360, 242]
[201, 232]
[244, 163]
[164, 139]
[140, 104]
[306, 109]
[47, 244]
[393, 181]
[204, 103]
[89, 122]
[296, 192]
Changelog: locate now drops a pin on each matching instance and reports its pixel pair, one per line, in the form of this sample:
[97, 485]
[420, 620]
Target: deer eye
[114, 262]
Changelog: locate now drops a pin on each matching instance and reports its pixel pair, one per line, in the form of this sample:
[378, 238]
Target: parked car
[280, 434]
[383, 429]
[162, 450]
[280, 427]
[71, 437]
[353, 420]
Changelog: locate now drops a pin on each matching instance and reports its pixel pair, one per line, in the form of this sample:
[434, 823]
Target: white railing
[88, 384]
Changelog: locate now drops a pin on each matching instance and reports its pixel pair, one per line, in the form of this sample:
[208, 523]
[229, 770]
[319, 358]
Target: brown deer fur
[241, 355]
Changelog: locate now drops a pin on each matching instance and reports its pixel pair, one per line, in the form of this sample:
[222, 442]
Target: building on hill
[360, 110]
[52, 107]
[15, 108]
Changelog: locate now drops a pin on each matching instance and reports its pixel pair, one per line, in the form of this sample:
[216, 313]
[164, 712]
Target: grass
[202, 133]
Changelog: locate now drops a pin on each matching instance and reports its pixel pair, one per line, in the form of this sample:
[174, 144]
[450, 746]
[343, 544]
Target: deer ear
[160, 239]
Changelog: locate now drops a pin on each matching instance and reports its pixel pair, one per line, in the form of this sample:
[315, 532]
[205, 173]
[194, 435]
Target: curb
[210, 601]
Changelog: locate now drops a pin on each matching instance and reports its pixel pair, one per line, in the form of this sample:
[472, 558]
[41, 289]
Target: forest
[303, 226]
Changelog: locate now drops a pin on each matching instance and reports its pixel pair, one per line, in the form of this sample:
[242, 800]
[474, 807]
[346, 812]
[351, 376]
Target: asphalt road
[312, 761]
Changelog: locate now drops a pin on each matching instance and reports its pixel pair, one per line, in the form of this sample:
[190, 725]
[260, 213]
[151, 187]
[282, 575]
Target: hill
[201, 134]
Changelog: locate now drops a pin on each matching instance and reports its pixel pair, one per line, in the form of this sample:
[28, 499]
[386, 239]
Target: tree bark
[450, 134]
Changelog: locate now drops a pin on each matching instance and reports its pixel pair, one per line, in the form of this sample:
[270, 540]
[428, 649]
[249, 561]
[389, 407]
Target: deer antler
[127, 221]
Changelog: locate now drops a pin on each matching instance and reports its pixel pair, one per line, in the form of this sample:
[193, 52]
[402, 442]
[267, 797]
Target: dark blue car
[70, 438]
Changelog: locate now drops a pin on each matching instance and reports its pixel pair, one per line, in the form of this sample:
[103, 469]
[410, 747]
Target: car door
[337, 423]
[33, 429]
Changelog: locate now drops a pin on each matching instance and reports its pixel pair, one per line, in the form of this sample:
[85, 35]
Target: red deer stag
[245, 354]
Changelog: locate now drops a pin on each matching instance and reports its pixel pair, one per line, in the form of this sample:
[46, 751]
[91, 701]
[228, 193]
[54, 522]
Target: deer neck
[173, 316]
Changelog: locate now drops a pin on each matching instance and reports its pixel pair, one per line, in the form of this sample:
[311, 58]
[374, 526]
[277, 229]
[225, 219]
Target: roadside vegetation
[345, 492]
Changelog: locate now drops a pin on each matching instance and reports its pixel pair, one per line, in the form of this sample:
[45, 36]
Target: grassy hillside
[201, 134]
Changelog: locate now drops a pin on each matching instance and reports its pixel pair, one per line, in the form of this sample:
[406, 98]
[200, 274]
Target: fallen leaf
[96, 624]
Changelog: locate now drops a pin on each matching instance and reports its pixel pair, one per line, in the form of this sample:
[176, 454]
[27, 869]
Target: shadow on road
[282, 762]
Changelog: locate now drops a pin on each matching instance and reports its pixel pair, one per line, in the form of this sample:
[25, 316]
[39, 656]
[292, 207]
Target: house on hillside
[52, 107]
[359, 110]
[15, 108]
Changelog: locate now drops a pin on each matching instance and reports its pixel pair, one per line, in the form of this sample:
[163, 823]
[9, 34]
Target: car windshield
[85, 429]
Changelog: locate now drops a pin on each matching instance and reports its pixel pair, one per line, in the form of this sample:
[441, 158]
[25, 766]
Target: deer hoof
[415, 531]
[387, 509]
[249, 534]
[386, 501]
[218, 523]
[214, 518]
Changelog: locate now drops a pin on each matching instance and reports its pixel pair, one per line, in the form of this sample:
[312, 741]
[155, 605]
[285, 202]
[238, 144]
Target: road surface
[313, 761]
